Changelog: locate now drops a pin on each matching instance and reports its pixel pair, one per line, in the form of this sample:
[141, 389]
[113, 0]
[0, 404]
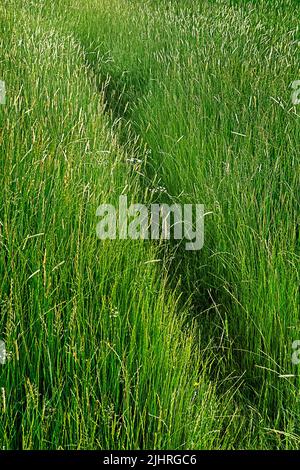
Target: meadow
[123, 344]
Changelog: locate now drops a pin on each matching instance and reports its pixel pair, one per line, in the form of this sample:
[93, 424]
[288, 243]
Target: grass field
[122, 344]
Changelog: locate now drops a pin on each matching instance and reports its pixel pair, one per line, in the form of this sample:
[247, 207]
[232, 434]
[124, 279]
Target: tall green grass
[99, 354]
[123, 344]
[206, 86]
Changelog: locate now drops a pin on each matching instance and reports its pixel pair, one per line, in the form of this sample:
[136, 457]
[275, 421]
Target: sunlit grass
[110, 348]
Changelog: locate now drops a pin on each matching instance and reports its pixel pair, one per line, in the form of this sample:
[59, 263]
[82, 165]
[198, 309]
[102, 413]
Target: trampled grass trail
[130, 345]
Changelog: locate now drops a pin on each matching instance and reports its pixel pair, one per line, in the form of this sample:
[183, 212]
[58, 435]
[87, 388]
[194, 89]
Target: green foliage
[129, 345]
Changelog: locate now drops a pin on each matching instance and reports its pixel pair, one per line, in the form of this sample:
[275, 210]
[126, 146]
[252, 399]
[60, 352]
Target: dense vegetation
[130, 344]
